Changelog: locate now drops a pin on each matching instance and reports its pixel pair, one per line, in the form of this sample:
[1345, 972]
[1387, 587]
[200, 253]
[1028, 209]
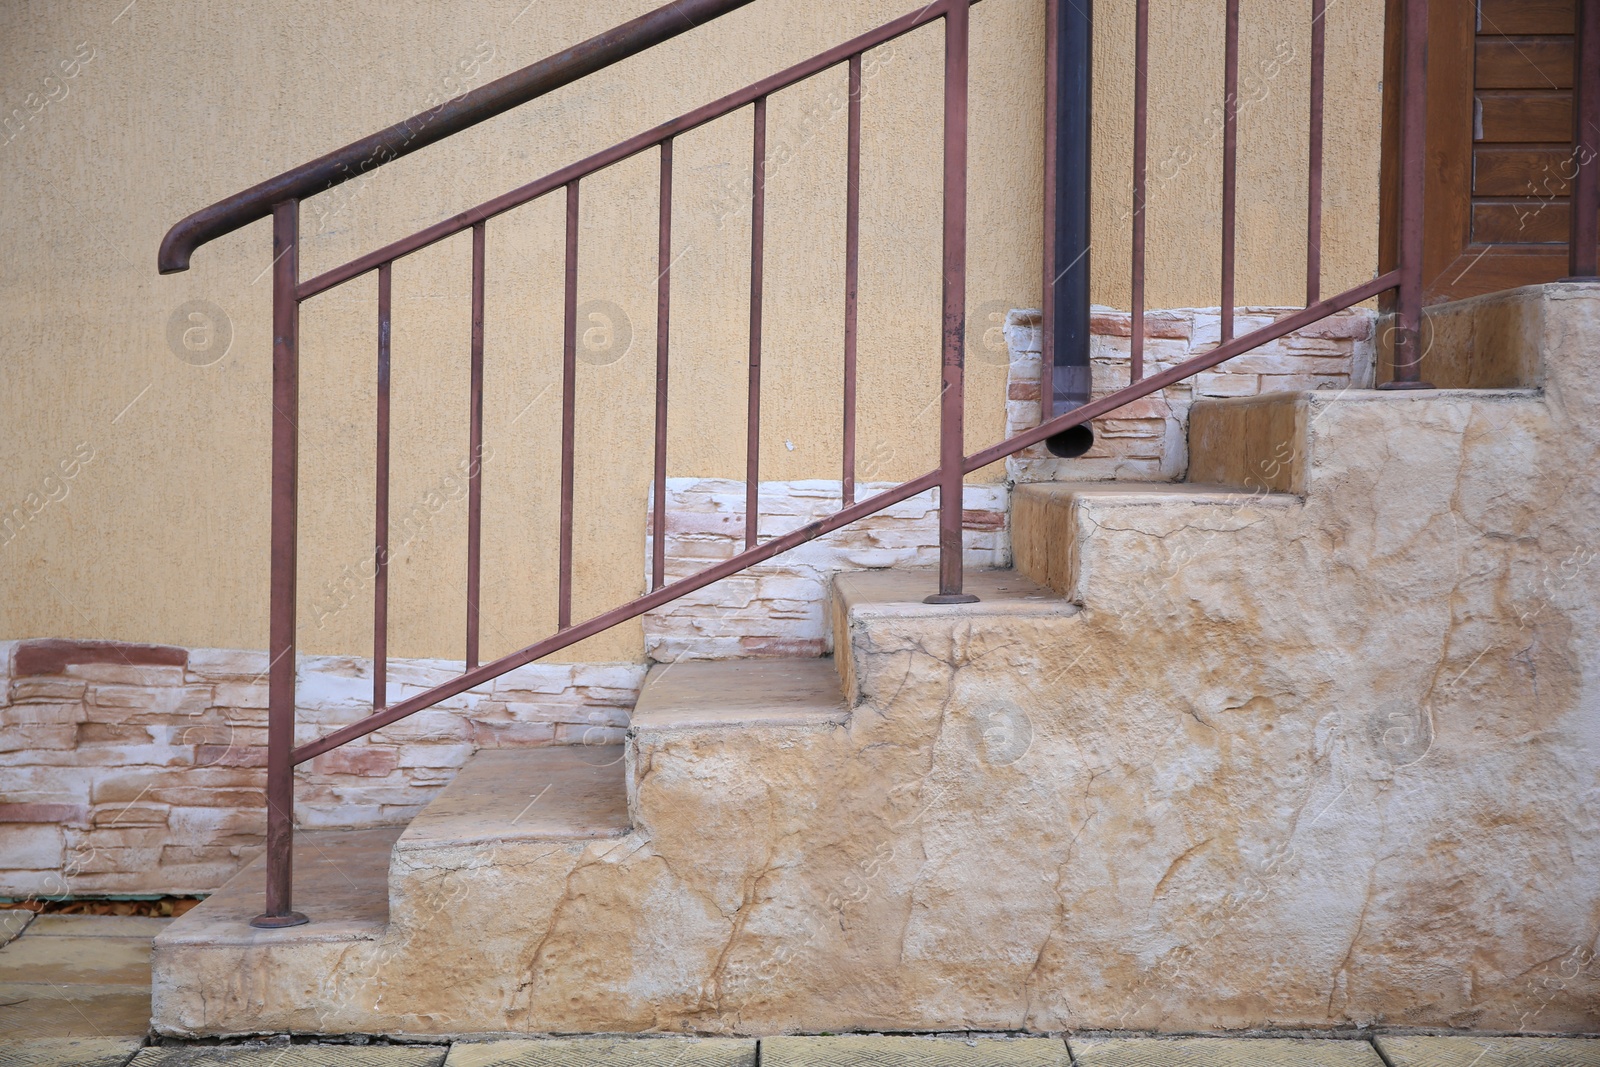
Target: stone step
[865, 605]
[1280, 442]
[1503, 340]
[1255, 444]
[691, 694]
[721, 720]
[555, 793]
[1059, 528]
[340, 878]
[212, 952]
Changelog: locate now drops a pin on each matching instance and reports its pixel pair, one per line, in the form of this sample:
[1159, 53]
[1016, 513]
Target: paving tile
[33, 1012]
[12, 921]
[606, 1052]
[69, 1052]
[1222, 1052]
[1491, 1051]
[97, 926]
[77, 960]
[291, 1056]
[912, 1052]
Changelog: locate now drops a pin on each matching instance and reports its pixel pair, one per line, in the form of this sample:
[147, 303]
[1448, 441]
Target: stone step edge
[487, 806]
[805, 690]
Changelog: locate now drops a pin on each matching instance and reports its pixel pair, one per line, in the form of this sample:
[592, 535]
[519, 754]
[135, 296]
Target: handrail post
[952, 396]
[1407, 348]
[1583, 246]
[280, 643]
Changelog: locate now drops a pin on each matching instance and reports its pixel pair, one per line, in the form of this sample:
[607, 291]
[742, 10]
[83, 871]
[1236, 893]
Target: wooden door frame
[1453, 266]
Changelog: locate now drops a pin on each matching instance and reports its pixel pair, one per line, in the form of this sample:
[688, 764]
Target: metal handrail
[435, 124]
[289, 291]
[280, 197]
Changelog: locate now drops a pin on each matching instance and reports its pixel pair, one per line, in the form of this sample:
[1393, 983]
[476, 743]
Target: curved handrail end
[173, 256]
[436, 123]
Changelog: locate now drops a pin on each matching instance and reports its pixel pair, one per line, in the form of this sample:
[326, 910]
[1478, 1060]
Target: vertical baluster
[952, 395]
[475, 450]
[380, 553]
[1230, 162]
[852, 263]
[285, 506]
[1141, 99]
[1319, 25]
[758, 211]
[569, 405]
[658, 518]
[1583, 253]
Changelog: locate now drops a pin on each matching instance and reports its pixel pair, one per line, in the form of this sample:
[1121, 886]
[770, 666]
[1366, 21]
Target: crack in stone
[711, 988]
[531, 969]
[1060, 921]
[1355, 939]
[1173, 866]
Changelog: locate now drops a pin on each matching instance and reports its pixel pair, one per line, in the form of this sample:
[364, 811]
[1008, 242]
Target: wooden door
[1499, 144]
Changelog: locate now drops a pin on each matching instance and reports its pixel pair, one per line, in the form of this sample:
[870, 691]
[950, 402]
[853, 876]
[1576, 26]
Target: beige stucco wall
[160, 535]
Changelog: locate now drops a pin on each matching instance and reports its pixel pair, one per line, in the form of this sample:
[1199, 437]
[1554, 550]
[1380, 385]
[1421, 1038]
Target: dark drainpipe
[1069, 26]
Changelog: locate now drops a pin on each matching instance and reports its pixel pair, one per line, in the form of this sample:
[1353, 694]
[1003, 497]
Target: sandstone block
[31, 847]
[46, 690]
[364, 761]
[240, 695]
[228, 665]
[127, 674]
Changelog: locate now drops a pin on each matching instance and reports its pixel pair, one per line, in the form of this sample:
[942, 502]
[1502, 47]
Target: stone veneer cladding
[1148, 439]
[139, 769]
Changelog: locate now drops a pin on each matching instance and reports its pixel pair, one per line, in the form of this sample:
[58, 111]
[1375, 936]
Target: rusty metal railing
[280, 198]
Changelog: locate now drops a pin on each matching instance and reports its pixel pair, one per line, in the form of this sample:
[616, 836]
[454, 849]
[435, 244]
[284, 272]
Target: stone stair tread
[743, 692]
[341, 881]
[557, 792]
[1156, 492]
[901, 592]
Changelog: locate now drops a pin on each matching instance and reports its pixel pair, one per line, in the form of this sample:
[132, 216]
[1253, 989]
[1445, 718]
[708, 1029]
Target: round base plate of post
[950, 598]
[1389, 386]
[278, 922]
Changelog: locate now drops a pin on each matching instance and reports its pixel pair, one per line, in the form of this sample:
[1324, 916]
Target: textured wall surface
[123, 118]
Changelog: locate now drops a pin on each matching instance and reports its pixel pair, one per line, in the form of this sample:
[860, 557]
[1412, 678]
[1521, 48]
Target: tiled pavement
[75, 992]
[74, 989]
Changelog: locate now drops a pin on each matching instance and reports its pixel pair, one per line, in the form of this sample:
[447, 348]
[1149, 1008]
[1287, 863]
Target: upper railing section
[435, 124]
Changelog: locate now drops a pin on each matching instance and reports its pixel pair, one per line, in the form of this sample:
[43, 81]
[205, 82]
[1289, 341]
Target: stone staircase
[1310, 740]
